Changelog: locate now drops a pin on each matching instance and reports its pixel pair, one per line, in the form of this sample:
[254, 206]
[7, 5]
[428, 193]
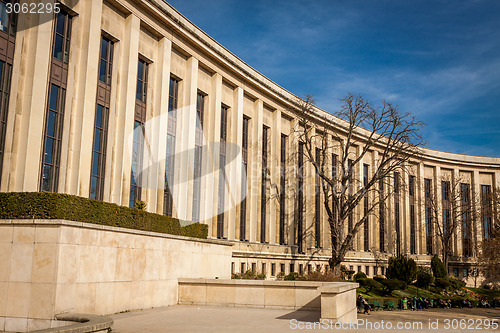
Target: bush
[438, 269]
[456, 283]
[442, 283]
[402, 268]
[379, 278]
[424, 278]
[359, 275]
[345, 273]
[369, 284]
[248, 275]
[44, 205]
[327, 276]
[291, 277]
[393, 284]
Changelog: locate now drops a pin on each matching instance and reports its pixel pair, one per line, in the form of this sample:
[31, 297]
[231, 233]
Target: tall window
[198, 143]
[334, 178]
[283, 190]
[263, 198]
[428, 214]
[138, 144]
[413, 231]
[244, 187]
[317, 203]
[222, 172]
[446, 206]
[381, 214]
[366, 225]
[397, 228]
[350, 181]
[173, 94]
[466, 220]
[98, 167]
[486, 210]
[54, 115]
[7, 39]
[300, 198]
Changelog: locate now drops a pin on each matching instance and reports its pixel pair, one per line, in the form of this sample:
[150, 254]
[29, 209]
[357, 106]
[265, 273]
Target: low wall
[48, 267]
[336, 300]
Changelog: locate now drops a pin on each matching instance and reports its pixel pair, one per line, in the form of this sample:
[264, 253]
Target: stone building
[109, 99]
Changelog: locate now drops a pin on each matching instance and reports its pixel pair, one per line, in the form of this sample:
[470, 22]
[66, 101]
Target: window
[54, 115]
[397, 227]
[254, 268]
[138, 144]
[300, 197]
[283, 190]
[222, 173]
[242, 269]
[317, 202]
[428, 215]
[263, 198]
[466, 272]
[98, 166]
[366, 225]
[7, 40]
[244, 186]
[466, 220]
[301, 269]
[292, 268]
[263, 268]
[381, 217]
[455, 272]
[62, 37]
[198, 144]
[282, 267]
[173, 94]
[350, 181]
[446, 207]
[486, 210]
[413, 227]
[273, 269]
[367, 270]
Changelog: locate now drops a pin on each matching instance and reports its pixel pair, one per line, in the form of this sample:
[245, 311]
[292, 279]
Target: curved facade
[131, 96]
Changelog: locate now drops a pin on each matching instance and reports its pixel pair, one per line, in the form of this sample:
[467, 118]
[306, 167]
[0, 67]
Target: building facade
[127, 100]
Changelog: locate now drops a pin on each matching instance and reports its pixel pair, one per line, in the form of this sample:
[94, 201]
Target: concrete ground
[194, 319]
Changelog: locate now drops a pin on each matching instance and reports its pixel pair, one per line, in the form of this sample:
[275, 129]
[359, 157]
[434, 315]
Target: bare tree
[359, 130]
[453, 207]
[489, 256]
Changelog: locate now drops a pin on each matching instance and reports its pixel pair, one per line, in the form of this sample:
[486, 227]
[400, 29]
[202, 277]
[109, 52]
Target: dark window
[366, 225]
[428, 215]
[300, 197]
[54, 115]
[292, 268]
[222, 173]
[381, 216]
[62, 37]
[283, 190]
[263, 268]
[466, 220]
[200, 106]
[98, 166]
[397, 228]
[446, 207]
[334, 178]
[411, 192]
[282, 268]
[244, 187]
[486, 210]
[138, 145]
[7, 41]
[263, 198]
[273, 269]
[350, 181]
[173, 95]
[317, 202]
[99, 152]
[242, 267]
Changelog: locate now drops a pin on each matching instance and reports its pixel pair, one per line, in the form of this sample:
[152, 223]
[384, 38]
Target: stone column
[274, 158]
[438, 190]
[405, 210]
[420, 209]
[456, 187]
[184, 145]
[81, 113]
[124, 116]
[255, 170]
[158, 127]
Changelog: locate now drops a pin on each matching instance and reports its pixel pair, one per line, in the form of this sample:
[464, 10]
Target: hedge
[44, 205]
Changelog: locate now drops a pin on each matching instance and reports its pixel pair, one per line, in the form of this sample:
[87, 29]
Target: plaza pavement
[198, 319]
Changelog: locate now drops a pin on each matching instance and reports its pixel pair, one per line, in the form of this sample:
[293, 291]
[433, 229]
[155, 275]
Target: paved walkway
[194, 319]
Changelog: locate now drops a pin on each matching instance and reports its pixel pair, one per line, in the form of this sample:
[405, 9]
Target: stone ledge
[243, 282]
[337, 288]
[84, 324]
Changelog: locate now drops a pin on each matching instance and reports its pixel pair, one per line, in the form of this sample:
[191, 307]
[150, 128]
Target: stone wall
[48, 267]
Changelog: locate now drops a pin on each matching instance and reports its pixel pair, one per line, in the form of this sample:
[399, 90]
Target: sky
[438, 60]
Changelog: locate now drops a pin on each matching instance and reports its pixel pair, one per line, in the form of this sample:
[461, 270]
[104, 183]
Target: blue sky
[438, 60]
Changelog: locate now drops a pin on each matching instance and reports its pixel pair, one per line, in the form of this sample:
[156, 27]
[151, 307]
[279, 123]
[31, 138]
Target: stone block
[221, 295]
[279, 297]
[44, 262]
[65, 298]
[16, 324]
[47, 234]
[6, 233]
[193, 294]
[21, 262]
[18, 295]
[5, 262]
[24, 234]
[42, 301]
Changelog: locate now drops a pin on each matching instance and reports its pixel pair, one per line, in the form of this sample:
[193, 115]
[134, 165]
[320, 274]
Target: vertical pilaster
[456, 195]
[76, 179]
[438, 195]
[405, 210]
[254, 170]
[476, 204]
[124, 117]
[420, 204]
[275, 165]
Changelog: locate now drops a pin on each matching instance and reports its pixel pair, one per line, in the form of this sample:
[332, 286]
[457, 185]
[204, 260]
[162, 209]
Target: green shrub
[327, 276]
[140, 205]
[359, 275]
[369, 284]
[456, 283]
[291, 277]
[379, 278]
[402, 268]
[443, 283]
[393, 284]
[44, 205]
[438, 269]
[346, 274]
[424, 278]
